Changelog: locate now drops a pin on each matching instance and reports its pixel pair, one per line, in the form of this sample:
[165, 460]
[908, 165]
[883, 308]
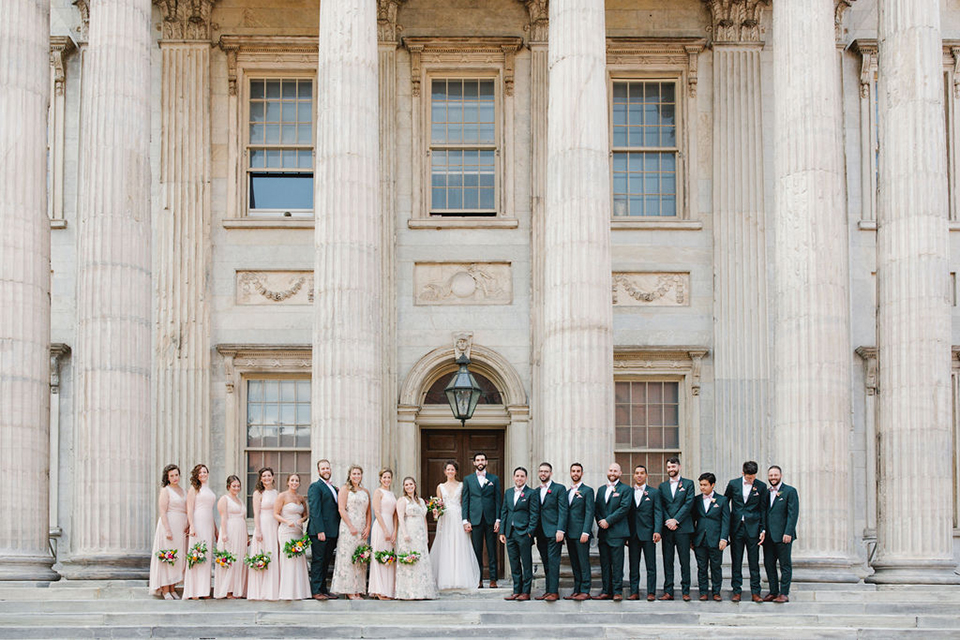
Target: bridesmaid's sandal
[167, 596]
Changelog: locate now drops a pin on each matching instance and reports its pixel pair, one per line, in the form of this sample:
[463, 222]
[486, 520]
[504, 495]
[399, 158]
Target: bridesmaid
[200, 504]
[383, 536]
[291, 512]
[264, 585]
[354, 506]
[232, 583]
[414, 581]
[171, 534]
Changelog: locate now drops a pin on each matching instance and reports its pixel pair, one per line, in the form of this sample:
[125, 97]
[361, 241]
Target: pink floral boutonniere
[549, 491]
[521, 494]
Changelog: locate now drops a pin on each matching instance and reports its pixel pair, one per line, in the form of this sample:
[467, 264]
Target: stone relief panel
[462, 283]
[274, 287]
[640, 289]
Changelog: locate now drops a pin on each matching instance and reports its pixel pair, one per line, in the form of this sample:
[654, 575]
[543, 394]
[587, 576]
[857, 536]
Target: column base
[914, 572]
[32, 568]
[105, 567]
[826, 570]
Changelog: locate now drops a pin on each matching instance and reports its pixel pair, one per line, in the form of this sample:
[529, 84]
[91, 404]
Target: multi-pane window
[647, 426]
[463, 147]
[278, 430]
[645, 148]
[280, 147]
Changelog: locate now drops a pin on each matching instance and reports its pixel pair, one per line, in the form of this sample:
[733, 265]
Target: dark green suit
[712, 525]
[615, 509]
[325, 519]
[580, 512]
[645, 520]
[481, 508]
[518, 522]
[747, 520]
[553, 518]
[679, 507]
[782, 514]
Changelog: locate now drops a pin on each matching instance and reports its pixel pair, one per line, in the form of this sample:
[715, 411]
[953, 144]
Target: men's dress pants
[709, 569]
[480, 533]
[738, 541]
[323, 553]
[580, 563]
[611, 565]
[520, 552]
[676, 543]
[550, 551]
[647, 548]
[774, 552]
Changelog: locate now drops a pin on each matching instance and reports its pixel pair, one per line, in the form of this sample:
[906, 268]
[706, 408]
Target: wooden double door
[439, 445]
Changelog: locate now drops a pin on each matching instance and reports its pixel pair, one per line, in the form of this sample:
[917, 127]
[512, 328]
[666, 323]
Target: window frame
[681, 421]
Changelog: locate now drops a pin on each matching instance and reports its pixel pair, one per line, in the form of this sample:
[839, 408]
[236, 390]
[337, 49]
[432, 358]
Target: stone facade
[790, 297]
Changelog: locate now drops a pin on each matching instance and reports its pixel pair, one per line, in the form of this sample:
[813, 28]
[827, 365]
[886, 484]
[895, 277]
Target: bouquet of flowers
[168, 555]
[258, 562]
[385, 557]
[363, 553]
[435, 505]
[224, 558]
[296, 548]
[410, 557]
[197, 554]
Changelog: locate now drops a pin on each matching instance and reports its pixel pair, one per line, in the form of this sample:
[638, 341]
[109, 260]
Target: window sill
[58, 223]
[871, 225]
[463, 223]
[268, 223]
[658, 225]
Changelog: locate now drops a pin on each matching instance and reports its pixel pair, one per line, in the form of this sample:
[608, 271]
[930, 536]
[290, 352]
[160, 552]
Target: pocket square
[615, 495]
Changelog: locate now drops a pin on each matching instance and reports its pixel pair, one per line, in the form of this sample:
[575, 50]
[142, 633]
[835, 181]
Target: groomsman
[550, 528]
[676, 498]
[783, 508]
[580, 510]
[612, 510]
[712, 521]
[748, 516]
[481, 514]
[646, 521]
[323, 527]
[519, 516]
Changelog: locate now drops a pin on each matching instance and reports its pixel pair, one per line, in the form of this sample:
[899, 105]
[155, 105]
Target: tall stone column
[812, 417]
[115, 486]
[24, 290]
[741, 329]
[576, 411]
[914, 526]
[347, 375]
[181, 416]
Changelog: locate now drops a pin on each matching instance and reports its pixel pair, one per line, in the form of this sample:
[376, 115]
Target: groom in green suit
[518, 520]
[783, 509]
[613, 530]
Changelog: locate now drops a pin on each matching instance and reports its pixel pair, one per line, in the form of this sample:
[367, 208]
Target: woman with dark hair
[383, 536]
[200, 505]
[291, 511]
[231, 582]
[414, 579]
[353, 500]
[171, 535]
[452, 556]
[264, 584]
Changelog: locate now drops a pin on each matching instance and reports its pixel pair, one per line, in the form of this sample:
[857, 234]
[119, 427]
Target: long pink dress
[234, 579]
[265, 585]
[161, 573]
[383, 576]
[196, 581]
[294, 579]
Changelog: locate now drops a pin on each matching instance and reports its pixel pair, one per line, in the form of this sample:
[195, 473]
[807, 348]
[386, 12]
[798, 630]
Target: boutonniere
[713, 500]
[521, 494]
[645, 492]
[549, 491]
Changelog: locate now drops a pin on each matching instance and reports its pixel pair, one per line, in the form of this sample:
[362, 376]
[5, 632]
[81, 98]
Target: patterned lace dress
[349, 577]
[415, 581]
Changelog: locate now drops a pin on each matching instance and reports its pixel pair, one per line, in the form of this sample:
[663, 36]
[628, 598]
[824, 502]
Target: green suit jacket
[713, 524]
[615, 511]
[580, 513]
[521, 518]
[782, 514]
[678, 507]
[553, 509]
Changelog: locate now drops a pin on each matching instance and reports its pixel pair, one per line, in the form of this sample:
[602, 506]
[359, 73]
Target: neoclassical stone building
[249, 232]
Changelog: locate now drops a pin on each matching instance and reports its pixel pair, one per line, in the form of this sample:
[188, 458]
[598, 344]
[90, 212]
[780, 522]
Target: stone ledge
[656, 225]
[463, 223]
[268, 223]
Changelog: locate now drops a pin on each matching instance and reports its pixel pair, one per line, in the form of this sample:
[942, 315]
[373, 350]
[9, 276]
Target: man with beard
[646, 521]
[612, 509]
[580, 510]
[748, 514]
[519, 515]
[481, 504]
[783, 508]
[550, 528]
[323, 527]
[676, 499]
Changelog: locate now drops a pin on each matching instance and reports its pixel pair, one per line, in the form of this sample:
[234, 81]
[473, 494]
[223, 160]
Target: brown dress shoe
[319, 596]
[686, 597]
[756, 598]
[633, 596]
[704, 597]
[769, 597]
[651, 597]
[493, 584]
[602, 596]
[332, 596]
[552, 597]
[582, 596]
[781, 599]
[735, 597]
[667, 596]
[512, 596]
[617, 597]
[717, 597]
[542, 596]
[572, 596]
[523, 596]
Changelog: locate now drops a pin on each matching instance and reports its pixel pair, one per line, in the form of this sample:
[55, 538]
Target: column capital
[736, 20]
[539, 25]
[58, 353]
[387, 28]
[60, 48]
[839, 10]
[185, 19]
[83, 6]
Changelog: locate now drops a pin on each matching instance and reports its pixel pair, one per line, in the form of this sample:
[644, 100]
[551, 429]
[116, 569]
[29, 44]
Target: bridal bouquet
[224, 558]
[385, 557]
[436, 506]
[410, 557]
[168, 555]
[197, 554]
[296, 548]
[363, 553]
[258, 562]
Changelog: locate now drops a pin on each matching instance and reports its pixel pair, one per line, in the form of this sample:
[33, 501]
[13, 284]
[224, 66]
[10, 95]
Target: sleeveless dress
[415, 581]
[196, 582]
[452, 556]
[161, 573]
[294, 579]
[382, 575]
[234, 579]
[265, 585]
[349, 577]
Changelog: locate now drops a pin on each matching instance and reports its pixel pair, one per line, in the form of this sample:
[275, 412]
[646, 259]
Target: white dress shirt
[774, 490]
[517, 492]
[543, 490]
[638, 494]
[573, 492]
[606, 497]
[333, 490]
[673, 487]
[747, 488]
[481, 478]
[707, 499]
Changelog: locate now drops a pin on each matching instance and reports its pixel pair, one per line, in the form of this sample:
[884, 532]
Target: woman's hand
[169, 535]
[193, 534]
[258, 535]
[225, 539]
[366, 531]
[353, 531]
[406, 538]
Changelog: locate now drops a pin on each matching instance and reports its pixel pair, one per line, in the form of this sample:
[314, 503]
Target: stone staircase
[125, 610]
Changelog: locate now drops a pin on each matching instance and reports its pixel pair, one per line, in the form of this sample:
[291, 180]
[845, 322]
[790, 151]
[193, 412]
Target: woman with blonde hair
[383, 536]
[291, 511]
[353, 500]
[264, 584]
[414, 581]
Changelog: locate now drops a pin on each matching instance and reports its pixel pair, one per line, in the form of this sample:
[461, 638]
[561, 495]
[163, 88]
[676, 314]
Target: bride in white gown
[452, 556]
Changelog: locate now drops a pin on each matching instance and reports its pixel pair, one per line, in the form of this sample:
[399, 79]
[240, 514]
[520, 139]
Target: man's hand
[503, 539]
[763, 534]
[584, 538]
[787, 539]
[672, 524]
[322, 537]
[656, 538]
[496, 527]
[467, 527]
[559, 536]
[603, 524]
[723, 545]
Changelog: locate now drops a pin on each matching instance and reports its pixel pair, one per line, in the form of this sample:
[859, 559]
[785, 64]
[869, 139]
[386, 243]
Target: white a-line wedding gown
[452, 556]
